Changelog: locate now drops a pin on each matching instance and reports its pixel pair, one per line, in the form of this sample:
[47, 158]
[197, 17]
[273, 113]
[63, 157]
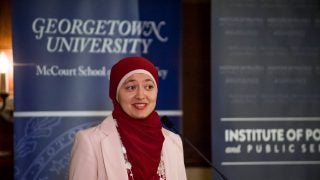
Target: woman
[130, 143]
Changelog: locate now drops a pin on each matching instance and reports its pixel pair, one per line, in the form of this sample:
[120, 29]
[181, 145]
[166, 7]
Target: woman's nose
[140, 93]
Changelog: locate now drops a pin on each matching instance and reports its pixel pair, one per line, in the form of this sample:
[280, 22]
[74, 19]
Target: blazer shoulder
[172, 137]
[100, 130]
[169, 133]
[87, 133]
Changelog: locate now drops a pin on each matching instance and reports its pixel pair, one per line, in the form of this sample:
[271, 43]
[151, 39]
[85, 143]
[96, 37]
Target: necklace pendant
[128, 165]
[124, 150]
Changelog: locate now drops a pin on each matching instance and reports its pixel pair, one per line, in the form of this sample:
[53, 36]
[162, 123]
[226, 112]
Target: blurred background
[196, 87]
[249, 68]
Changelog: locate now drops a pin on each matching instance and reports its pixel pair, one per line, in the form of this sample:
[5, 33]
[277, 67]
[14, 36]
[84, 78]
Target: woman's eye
[131, 88]
[149, 87]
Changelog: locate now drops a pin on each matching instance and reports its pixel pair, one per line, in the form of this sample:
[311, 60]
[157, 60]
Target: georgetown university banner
[266, 90]
[63, 52]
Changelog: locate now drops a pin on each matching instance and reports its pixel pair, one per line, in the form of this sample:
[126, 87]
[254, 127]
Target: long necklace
[161, 169]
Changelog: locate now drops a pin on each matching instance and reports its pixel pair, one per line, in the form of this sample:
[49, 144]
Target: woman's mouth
[140, 106]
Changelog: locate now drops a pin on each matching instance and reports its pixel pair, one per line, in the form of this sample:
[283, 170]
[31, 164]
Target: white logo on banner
[98, 36]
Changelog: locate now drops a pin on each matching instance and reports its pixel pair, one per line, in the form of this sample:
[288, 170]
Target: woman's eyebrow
[129, 80]
[133, 80]
[147, 80]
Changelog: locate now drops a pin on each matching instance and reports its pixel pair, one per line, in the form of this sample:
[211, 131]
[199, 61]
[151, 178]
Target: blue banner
[266, 91]
[63, 52]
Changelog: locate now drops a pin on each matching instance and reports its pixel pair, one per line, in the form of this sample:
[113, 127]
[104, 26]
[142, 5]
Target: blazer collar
[111, 150]
[168, 155]
[108, 126]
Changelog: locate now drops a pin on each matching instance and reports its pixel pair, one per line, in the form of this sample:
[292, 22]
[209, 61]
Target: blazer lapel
[112, 152]
[169, 157]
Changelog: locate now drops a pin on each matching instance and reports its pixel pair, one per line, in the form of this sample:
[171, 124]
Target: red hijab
[142, 138]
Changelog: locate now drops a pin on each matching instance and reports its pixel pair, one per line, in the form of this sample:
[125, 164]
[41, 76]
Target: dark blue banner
[63, 53]
[266, 91]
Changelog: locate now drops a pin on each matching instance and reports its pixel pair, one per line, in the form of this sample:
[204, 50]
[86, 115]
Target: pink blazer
[96, 154]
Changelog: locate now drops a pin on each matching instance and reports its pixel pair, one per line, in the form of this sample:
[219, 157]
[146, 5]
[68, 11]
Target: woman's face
[138, 95]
